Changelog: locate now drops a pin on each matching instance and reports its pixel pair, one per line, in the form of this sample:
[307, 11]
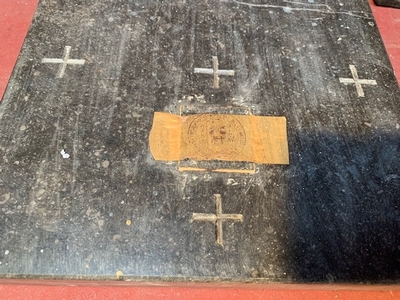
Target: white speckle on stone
[105, 164]
[40, 192]
[136, 115]
[64, 154]
[6, 252]
[314, 24]
[22, 128]
[231, 181]
[4, 198]
[207, 177]
[91, 22]
[287, 9]
[41, 250]
[110, 19]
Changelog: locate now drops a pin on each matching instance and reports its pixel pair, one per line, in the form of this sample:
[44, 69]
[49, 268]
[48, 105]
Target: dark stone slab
[332, 215]
[388, 3]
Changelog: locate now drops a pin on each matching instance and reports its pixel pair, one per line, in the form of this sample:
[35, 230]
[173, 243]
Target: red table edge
[387, 20]
[15, 19]
[60, 289]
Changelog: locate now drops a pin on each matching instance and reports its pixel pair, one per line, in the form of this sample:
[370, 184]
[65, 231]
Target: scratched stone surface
[82, 197]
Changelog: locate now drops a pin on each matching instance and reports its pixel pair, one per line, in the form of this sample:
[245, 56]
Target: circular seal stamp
[216, 136]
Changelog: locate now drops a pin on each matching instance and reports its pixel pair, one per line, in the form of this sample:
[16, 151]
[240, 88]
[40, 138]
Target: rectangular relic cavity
[257, 139]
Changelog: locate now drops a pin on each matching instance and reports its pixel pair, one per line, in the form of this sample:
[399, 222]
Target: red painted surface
[197, 291]
[388, 20]
[15, 18]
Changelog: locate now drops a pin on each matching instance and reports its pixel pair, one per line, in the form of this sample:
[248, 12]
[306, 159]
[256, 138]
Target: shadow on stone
[344, 209]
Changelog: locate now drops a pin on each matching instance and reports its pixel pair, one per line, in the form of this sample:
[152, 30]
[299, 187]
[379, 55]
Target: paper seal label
[222, 137]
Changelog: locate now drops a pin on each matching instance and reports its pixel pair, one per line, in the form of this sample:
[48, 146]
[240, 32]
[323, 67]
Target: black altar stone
[82, 197]
[388, 3]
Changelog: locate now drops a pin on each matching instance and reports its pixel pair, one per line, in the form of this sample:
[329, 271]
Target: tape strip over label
[219, 137]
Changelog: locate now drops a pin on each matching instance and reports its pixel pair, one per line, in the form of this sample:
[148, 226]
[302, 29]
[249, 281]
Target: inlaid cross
[358, 82]
[218, 218]
[214, 71]
[63, 61]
